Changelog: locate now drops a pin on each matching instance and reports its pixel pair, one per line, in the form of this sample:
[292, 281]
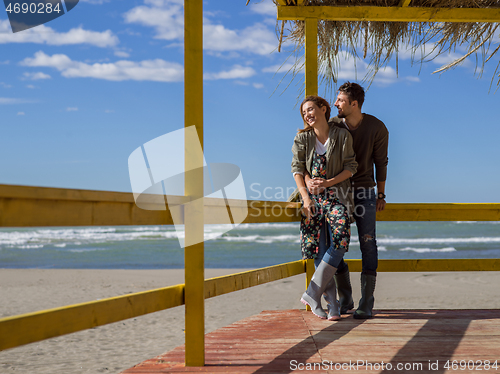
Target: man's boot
[333, 306]
[345, 290]
[322, 276]
[365, 306]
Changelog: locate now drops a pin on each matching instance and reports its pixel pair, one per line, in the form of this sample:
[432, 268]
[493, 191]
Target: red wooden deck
[395, 341]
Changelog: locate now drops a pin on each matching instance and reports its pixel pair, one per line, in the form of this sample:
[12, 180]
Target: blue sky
[79, 94]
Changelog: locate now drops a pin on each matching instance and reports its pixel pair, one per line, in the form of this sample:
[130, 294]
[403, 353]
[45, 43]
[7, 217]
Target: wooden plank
[311, 56]
[235, 282]
[194, 257]
[288, 340]
[394, 14]
[440, 212]
[424, 265]
[45, 324]
[23, 206]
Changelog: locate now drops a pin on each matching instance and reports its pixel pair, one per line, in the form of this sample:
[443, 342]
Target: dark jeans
[365, 201]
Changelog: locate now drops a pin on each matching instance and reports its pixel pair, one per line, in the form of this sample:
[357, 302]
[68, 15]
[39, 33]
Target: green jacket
[339, 155]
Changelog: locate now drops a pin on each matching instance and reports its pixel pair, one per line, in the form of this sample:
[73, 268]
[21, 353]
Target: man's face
[343, 105]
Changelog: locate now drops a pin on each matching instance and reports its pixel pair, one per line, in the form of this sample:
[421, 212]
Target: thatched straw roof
[378, 42]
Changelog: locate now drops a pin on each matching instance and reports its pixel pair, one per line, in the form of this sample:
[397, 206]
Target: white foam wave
[428, 250]
[399, 241]
[263, 238]
[478, 222]
[82, 250]
[78, 236]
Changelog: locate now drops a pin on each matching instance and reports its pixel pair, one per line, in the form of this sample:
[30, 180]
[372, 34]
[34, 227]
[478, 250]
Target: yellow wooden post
[311, 56]
[311, 76]
[309, 271]
[193, 216]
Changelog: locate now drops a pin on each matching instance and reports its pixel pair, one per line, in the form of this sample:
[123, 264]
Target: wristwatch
[381, 195]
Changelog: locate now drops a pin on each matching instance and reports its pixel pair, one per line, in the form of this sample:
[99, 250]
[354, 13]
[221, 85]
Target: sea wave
[83, 250]
[428, 250]
[263, 238]
[78, 236]
[478, 222]
[399, 241]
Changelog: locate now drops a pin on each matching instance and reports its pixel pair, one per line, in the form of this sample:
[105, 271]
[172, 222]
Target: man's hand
[316, 185]
[380, 205]
[308, 208]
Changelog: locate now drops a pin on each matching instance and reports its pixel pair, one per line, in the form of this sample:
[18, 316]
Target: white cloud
[284, 68]
[95, 2]
[166, 17]
[36, 76]
[46, 35]
[20, 113]
[9, 100]
[31, 87]
[5, 85]
[71, 109]
[258, 85]
[122, 54]
[148, 70]
[264, 7]
[352, 68]
[257, 39]
[109, 111]
[237, 72]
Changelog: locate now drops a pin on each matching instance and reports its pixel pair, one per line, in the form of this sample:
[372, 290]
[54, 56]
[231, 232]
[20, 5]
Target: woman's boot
[345, 290]
[333, 305]
[365, 307]
[312, 297]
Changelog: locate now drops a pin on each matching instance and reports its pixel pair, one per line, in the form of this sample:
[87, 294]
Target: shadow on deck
[395, 341]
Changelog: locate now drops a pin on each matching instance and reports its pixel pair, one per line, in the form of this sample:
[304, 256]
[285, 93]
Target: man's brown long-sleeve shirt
[370, 143]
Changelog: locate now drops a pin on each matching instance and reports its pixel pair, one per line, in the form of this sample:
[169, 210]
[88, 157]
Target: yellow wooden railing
[22, 206]
[45, 324]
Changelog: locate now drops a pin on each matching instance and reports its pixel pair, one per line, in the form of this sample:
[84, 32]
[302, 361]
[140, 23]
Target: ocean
[247, 246]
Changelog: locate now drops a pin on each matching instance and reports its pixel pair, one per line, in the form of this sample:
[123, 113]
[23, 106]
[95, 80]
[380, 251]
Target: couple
[333, 167]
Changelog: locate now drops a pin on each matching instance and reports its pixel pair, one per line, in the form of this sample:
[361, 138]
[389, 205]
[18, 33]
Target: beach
[116, 347]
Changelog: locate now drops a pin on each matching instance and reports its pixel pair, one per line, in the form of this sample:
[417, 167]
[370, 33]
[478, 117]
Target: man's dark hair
[354, 91]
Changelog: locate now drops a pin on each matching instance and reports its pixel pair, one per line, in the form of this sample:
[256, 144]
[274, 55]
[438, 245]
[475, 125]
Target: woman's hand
[308, 208]
[316, 185]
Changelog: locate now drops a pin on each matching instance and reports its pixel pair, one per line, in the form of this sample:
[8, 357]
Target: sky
[80, 93]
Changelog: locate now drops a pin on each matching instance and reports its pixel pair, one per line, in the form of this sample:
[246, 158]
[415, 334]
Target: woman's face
[312, 114]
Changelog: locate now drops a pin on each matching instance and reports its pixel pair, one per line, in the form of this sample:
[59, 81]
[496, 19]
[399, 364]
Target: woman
[325, 153]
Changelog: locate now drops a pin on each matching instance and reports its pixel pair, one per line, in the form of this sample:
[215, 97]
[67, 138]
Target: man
[370, 143]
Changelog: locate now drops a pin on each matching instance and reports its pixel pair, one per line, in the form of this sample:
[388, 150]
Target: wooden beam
[426, 265]
[45, 324]
[194, 259]
[239, 281]
[311, 56]
[440, 212]
[395, 14]
[22, 206]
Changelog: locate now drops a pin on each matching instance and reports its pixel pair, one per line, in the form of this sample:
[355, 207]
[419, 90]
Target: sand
[116, 347]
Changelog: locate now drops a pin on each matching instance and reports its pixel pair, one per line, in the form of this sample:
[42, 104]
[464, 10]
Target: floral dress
[328, 208]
